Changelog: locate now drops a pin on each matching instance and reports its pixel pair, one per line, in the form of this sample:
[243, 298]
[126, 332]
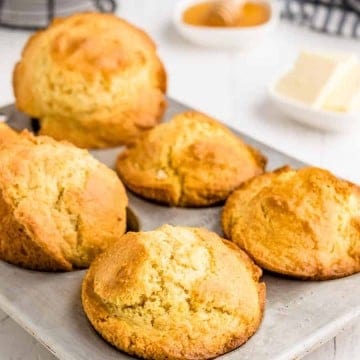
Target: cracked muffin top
[191, 160]
[174, 293]
[92, 79]
[302, 223]
[59, 207]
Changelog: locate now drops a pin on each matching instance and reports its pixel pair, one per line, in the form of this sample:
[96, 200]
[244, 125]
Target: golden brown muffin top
[6, 133]
[191, 160]
[98, 43]
[89, 67]
[303, 223]
[70, 204]
[175, 293]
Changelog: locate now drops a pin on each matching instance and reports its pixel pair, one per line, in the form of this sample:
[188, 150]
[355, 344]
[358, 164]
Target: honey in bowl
[230, 13]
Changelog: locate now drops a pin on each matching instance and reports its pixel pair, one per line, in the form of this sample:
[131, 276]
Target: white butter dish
[314, 117]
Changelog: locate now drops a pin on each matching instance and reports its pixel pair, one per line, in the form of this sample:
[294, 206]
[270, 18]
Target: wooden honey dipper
[224, 12]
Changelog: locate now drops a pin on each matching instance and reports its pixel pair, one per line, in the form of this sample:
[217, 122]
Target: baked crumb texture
[302, 223]
[92, 79]
[191, 160]
[174, 293]
[6, 134]
[59, 207]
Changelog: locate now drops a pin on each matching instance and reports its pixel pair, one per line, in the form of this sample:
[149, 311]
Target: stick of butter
[346, 96]
[315, 77]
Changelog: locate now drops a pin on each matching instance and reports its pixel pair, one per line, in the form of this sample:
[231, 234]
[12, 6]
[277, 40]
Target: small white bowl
[317, 118]
[241, 38]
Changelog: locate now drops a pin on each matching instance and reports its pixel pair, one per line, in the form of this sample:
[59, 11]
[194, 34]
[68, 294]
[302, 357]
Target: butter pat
[315, 76]
[346, 96]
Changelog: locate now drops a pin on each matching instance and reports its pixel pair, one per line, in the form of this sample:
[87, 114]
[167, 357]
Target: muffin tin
[299, 316]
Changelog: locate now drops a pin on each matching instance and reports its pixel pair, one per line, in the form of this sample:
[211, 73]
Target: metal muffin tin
[299, 315]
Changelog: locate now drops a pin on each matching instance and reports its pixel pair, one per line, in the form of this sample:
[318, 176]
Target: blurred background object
[226, 24]
[335, 17]
[35, 14]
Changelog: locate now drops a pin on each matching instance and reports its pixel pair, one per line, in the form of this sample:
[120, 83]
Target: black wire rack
[334, 17]
[35, 14]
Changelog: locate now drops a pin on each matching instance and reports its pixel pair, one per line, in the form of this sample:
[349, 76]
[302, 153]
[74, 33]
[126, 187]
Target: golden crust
[92, 79]
[302, 223]
[59, 207]
[174, 293]
[190, 161]
[6, 134]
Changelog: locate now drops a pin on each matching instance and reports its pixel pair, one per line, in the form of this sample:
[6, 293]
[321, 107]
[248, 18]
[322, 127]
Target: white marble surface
[232, 87]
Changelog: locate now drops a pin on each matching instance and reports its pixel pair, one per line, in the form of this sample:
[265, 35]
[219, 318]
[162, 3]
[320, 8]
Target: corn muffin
[302, 223]
[174, 293]
[92, 79]
[59, 207]
[191, 160]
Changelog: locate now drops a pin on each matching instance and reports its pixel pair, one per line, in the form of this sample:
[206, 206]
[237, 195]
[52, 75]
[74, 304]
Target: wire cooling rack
[335, 17]
[35, 14]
